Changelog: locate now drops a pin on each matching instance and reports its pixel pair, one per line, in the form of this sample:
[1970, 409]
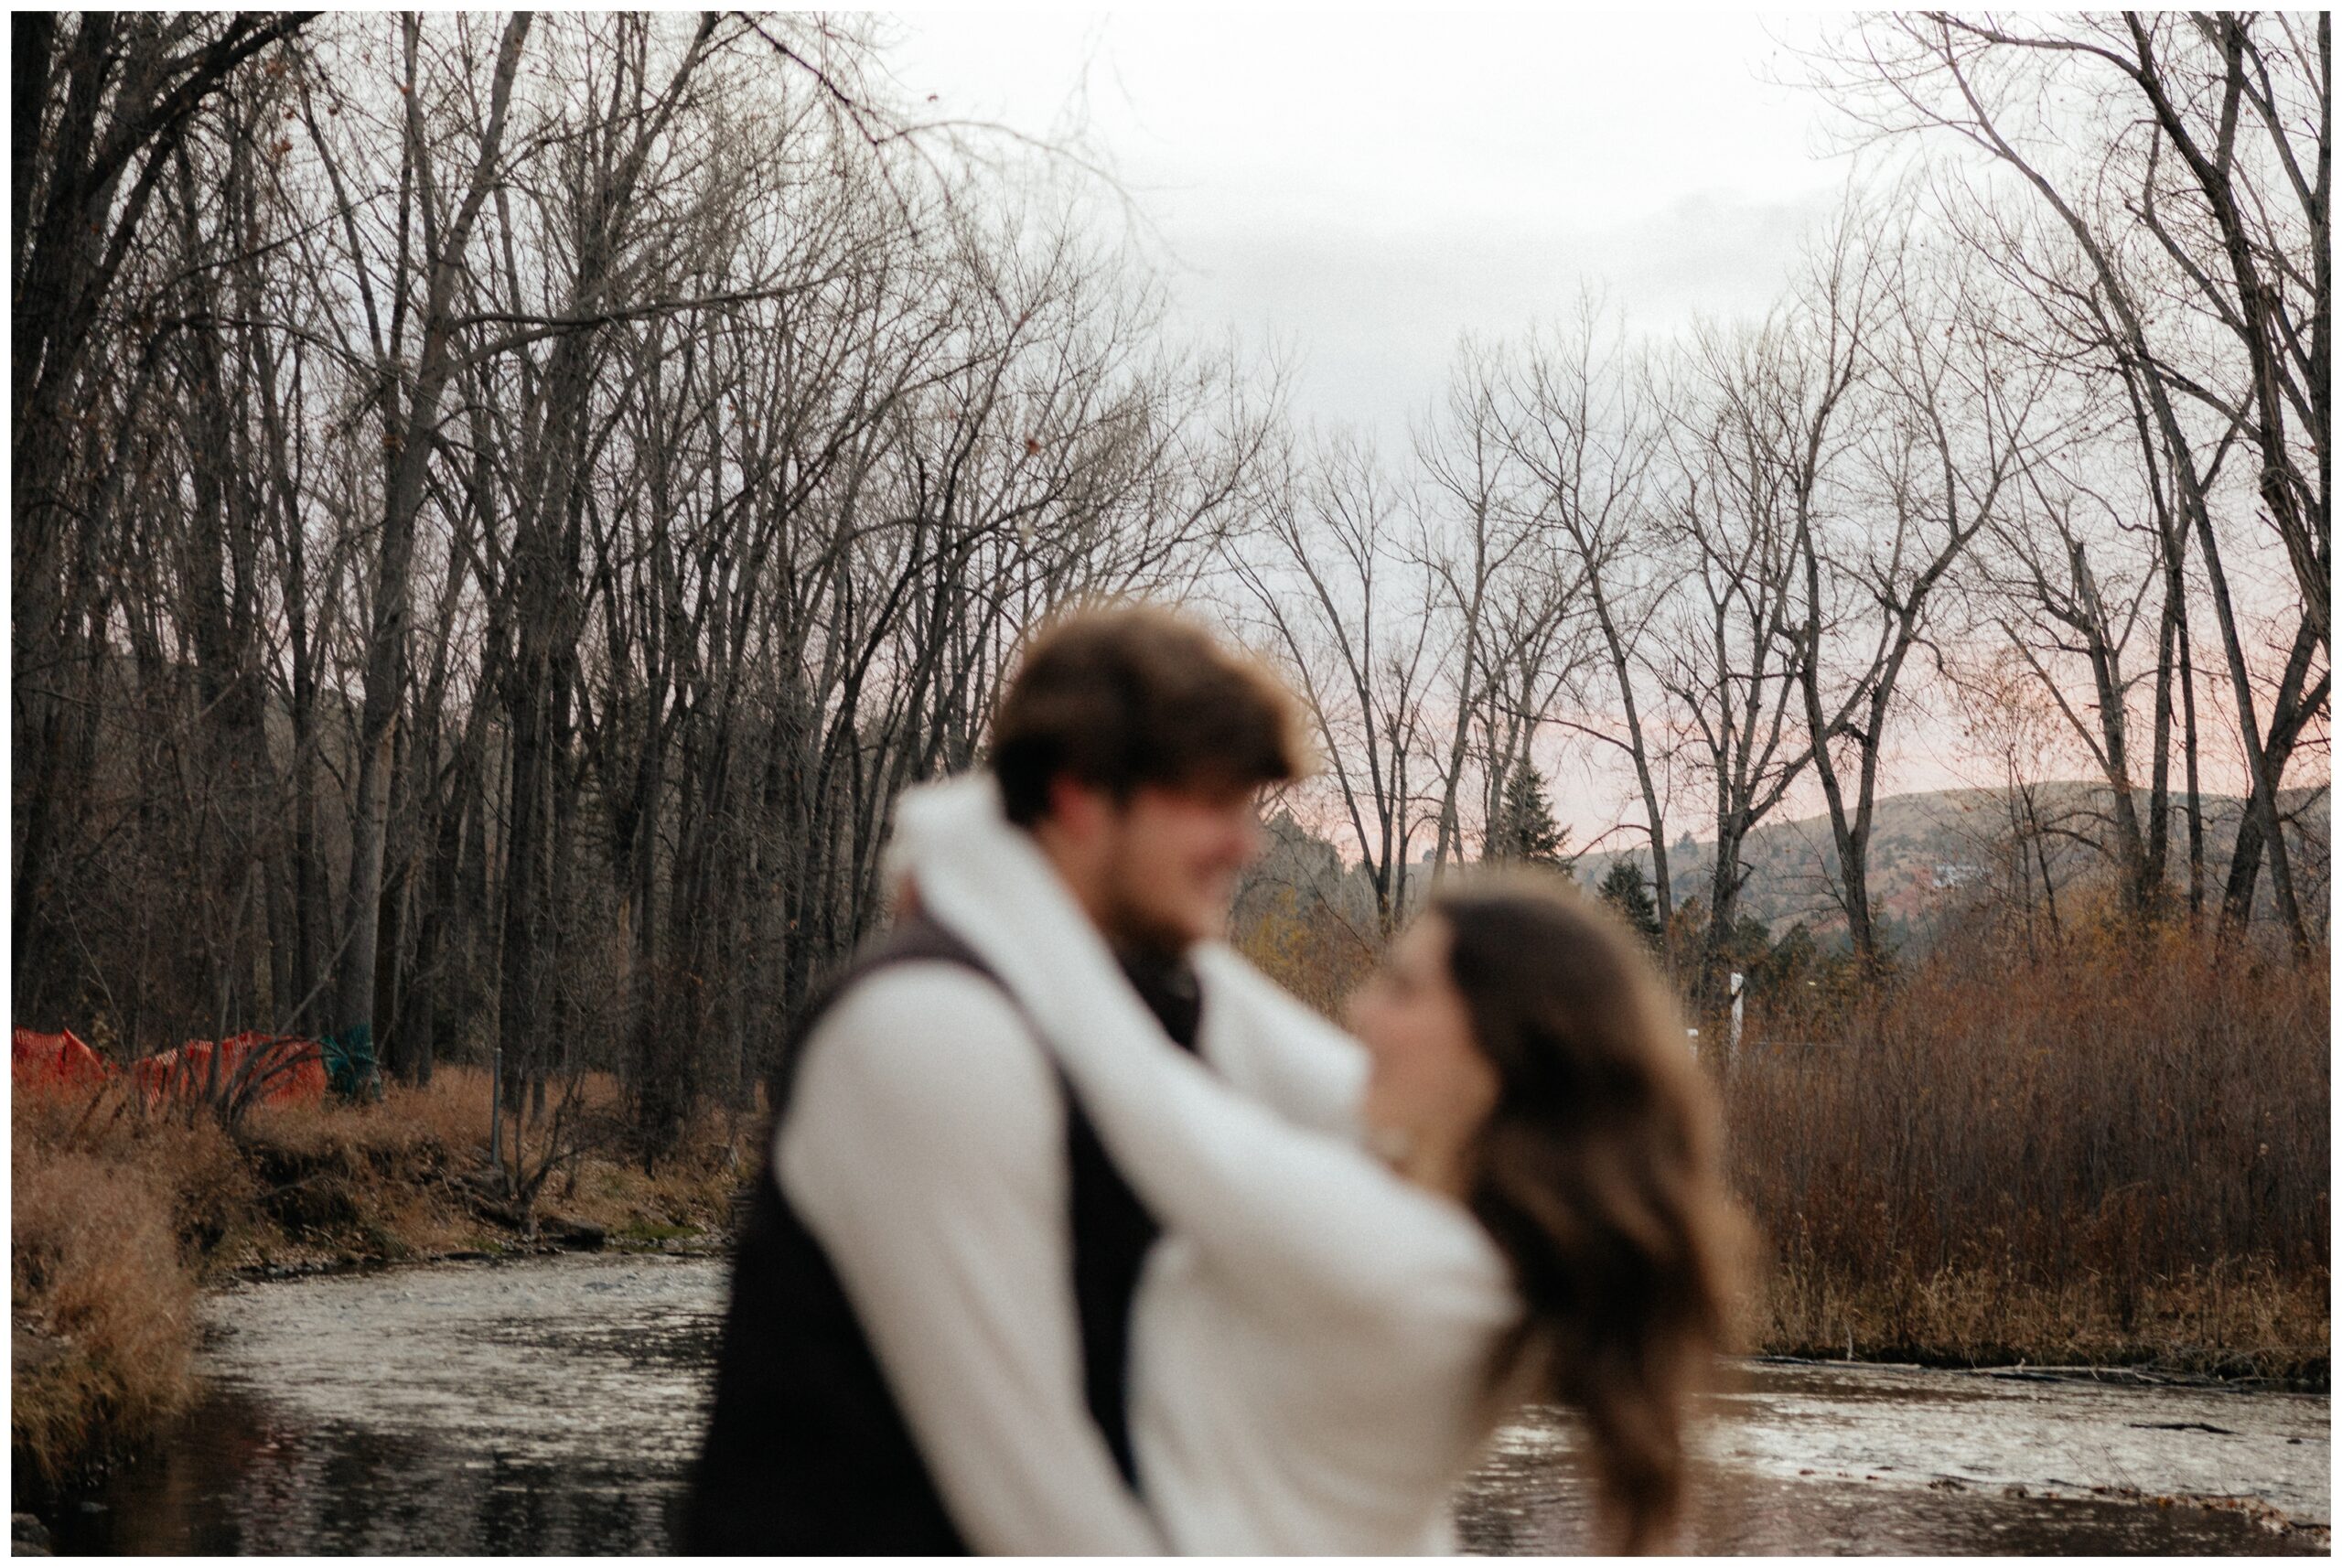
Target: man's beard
[1131, 927]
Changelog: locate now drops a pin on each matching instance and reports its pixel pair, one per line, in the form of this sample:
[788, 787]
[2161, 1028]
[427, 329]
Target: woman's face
[1430, 1081]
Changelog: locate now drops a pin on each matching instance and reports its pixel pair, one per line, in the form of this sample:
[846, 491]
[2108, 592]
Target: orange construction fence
[54, 1063]
[291, 1069]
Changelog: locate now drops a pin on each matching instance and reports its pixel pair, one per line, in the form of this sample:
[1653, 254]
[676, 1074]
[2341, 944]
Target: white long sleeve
[1272, 1048]
[1312, 1340]
[1300, 1221]
[924, 1147]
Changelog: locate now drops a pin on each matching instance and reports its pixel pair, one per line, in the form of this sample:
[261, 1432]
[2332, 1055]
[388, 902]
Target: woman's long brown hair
[1599, 1174]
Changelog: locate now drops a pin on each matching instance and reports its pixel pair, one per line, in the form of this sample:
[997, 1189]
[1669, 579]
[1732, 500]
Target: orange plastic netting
[56, 1062]
[288, 1069]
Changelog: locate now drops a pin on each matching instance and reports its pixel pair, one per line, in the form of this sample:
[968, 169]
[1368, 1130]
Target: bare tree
[101, 115]
[1943, 407]
[553, 506]
[1480, 555]
[2200, 211]
[1580, 422]
[1327, 576]
[1753, 418]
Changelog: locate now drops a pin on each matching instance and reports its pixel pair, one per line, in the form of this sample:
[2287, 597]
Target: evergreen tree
[1626, 889]
[1525, 831]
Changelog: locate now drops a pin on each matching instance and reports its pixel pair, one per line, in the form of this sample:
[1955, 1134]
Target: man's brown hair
[1130, 696]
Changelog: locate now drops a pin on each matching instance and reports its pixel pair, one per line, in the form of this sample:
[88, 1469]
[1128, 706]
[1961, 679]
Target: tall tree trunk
[386, 639]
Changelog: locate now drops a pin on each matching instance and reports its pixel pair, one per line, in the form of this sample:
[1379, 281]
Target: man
[931, 1308]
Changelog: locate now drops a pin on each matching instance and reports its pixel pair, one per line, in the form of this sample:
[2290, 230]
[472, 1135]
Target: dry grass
[119, 1217]
[2243, 1320]
[1303, 945]
[382, 1180]
[2117, 1152]
[344, 1182]
[691, 1188]
[102, 1285]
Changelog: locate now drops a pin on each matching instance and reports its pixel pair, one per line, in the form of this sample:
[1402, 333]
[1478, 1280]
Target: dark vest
[807, 1451]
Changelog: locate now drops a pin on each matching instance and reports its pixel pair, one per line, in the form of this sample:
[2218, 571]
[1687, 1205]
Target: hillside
[1932, 849]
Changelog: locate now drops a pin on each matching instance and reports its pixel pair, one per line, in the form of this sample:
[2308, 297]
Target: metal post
[496, 1110]
[1734, 1049]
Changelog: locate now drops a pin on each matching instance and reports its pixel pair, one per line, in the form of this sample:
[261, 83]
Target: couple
[1079, 1236]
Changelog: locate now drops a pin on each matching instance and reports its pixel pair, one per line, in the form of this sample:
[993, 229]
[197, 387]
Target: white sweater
[1312, 1342]
[924, 1145]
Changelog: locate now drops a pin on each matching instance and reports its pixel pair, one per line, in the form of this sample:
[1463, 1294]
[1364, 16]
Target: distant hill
[1926, 847]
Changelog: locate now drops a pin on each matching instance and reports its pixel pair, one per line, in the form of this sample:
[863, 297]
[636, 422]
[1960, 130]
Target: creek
[552, 1406]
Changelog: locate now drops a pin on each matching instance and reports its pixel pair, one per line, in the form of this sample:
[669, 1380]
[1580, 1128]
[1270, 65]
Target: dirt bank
[2241, 1322]
[120, 1217]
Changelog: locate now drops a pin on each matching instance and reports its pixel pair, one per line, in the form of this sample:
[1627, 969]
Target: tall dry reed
[2127, 1133]
[109, 1211]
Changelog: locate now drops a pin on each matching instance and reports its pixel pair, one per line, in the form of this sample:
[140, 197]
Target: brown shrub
[2116, 1149]
[2136, 1129]
[454, 1106]
[103, 1281]
[1303, 944]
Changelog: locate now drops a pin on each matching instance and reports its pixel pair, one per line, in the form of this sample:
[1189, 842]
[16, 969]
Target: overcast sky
[1362, 189]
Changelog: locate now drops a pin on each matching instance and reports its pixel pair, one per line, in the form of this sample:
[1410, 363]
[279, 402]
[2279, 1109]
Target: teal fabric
[349, 1061]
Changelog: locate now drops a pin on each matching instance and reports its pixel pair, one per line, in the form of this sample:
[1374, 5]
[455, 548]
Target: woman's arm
[1277, 1050]
[1303, 1219]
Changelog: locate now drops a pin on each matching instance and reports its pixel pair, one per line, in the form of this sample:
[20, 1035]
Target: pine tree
[1626, 889]
[1525, 831]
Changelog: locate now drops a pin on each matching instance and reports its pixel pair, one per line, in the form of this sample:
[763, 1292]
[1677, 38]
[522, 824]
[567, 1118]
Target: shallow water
[1853, 1458]
[552, 1406]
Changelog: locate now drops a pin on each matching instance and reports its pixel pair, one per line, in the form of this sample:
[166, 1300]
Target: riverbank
[2242, 1324]
[552, 1406]
[106, 1278]
[119, 1218]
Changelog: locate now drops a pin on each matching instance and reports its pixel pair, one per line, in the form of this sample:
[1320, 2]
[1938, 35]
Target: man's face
[1168, 861]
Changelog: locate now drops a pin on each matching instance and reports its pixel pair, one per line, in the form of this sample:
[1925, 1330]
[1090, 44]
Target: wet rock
[2183, 1426]
[578, 1235]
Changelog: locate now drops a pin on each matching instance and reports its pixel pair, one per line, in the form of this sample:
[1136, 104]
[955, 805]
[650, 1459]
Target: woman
[1328, 1333]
